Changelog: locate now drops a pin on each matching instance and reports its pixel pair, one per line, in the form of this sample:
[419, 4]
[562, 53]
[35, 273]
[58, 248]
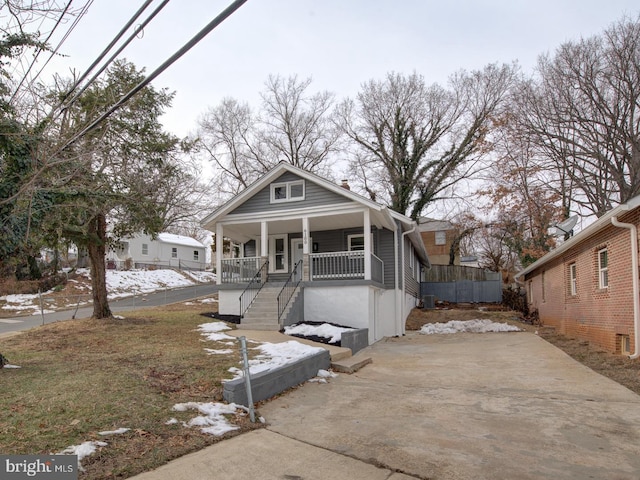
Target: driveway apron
[470, 406]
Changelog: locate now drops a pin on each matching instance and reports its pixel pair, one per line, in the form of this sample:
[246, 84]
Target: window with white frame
[287, 191]
[174, 252]
[441, 237]
[573, 280]
[356, 242]
[603, 268]
[196, 255]
[145, 249]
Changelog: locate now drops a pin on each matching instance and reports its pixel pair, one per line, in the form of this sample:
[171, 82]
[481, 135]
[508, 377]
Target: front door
[296, 255]
[278, 254]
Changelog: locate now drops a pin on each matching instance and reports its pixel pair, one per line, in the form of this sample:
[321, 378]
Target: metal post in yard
[76, 310]
[247, 377]
[41, 307]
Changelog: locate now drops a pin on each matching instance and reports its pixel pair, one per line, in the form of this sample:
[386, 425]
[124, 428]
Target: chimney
[345, 184]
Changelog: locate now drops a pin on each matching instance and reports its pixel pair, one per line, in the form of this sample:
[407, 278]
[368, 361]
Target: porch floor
[337, 353]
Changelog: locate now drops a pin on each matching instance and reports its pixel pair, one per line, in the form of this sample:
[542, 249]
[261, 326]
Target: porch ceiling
[243, 232]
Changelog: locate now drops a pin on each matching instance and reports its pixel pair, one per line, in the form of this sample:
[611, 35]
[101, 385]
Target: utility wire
[117, 52]
[105, 51]
[83, 12]
[35, 57]
[185, 48]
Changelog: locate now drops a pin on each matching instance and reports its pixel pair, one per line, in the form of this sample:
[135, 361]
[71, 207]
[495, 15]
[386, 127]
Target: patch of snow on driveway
[468, 326]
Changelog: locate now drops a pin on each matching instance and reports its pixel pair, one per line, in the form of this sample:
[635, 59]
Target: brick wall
[596, 314]
[439, 254]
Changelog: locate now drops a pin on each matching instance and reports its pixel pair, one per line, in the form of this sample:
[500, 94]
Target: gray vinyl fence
[457, 284]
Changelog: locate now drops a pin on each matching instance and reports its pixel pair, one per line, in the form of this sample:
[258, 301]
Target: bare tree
[291, 125]
[583, 115]
[416, 141]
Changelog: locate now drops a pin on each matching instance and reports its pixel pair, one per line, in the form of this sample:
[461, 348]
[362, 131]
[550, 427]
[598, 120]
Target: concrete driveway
[470, 406]
[465, 406]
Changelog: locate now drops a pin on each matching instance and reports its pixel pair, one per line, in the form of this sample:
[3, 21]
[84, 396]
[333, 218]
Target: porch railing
[344, 265]
[238, 270]
[289, 288]
[377, 269]
[255, 285]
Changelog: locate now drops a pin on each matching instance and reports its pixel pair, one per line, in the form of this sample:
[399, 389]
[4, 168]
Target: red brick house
[588, 287]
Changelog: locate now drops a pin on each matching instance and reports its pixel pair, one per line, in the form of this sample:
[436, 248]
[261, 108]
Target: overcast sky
[339, 43]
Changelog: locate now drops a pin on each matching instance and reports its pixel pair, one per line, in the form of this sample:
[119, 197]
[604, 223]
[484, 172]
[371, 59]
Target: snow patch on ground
[212, 419]
[117, 431]
[83, 450]
[468, 326]
[325, 330]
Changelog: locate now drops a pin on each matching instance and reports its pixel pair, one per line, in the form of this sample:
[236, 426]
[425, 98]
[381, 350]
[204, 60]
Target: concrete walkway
[463, 406]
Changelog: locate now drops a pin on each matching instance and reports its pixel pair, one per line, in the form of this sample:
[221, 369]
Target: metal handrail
[283, 301]
[251, 291]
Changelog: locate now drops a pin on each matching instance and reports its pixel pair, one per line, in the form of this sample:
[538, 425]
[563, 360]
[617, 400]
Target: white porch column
[264, 239]
[368, 248]
[306, 260]
[305, 235]
[219, 250]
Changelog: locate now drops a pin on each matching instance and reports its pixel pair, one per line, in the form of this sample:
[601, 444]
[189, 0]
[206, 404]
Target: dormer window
[287, 191]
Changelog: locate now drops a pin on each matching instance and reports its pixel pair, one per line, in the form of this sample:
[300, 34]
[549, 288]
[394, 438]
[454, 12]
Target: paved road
[8, 325]
[447, 407]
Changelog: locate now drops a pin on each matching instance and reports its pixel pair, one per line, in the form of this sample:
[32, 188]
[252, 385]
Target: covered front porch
[315, 247]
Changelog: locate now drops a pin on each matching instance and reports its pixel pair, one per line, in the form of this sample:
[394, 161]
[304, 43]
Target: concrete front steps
[263, 312]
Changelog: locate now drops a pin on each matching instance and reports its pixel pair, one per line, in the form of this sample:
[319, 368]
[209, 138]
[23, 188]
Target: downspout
[397, 279]
[636, 288]
[404, 284]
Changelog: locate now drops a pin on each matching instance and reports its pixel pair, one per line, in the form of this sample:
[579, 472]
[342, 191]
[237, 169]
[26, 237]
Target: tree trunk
[97, 250]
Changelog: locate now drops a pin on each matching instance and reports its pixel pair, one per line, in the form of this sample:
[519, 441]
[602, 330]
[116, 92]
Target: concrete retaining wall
[267, 384]
[356, 340]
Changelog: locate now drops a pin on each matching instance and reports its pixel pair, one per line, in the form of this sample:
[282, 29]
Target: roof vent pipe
[636, 288]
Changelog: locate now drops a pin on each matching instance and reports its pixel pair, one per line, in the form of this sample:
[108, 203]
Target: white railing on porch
[239, 270]
[344, 265]
[324, 266]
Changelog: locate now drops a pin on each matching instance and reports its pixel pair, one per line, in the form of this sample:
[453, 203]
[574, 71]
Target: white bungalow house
[165, 251]
[315, 251]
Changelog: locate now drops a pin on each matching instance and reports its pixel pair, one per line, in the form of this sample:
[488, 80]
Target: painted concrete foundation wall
[228, 302]
[348, 306]
[386, 324]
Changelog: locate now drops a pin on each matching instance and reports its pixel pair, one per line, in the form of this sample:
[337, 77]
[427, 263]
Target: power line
[185, 48]
[106, 50]
[117, 52]
[35, 57]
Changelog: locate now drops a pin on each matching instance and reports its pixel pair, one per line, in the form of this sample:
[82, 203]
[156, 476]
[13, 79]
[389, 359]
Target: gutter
[404, 283]
[633, 230]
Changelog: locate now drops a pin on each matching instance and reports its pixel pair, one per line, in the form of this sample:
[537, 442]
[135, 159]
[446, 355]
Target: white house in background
[312, 250]
[165, 251]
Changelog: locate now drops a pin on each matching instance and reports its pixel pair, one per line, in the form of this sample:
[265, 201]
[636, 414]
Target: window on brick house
[573, 283]
[603, 268]
[544, 297]
[441, 237]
